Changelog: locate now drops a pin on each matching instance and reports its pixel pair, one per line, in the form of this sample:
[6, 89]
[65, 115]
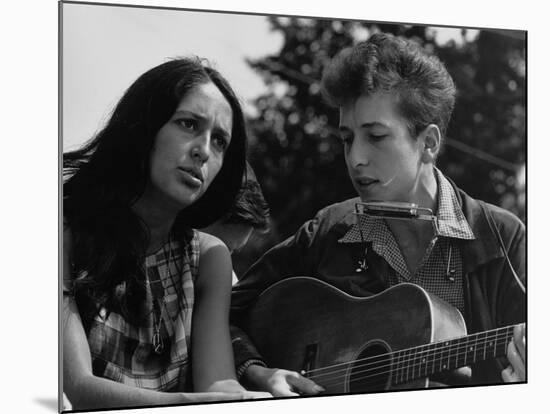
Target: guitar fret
[415, 363]
[480, 351]
[452, 351]
[475, 349]
[446, 346]
[402, 365]
[396, 367]
[420, 361]
[426, 359]
[434, 348]
[402, 368]
[440, 363]
[415, 357]
[466, 352]
[485, 346]
[408, 363]
[461, 344]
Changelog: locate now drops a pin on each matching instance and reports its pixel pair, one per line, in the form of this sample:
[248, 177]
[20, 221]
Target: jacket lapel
[484, 247]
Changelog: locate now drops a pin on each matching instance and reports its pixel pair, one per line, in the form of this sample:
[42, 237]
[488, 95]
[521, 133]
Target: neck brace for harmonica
[399, 211]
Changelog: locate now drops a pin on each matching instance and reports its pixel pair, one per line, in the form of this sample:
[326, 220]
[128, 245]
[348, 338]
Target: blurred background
[275, 64]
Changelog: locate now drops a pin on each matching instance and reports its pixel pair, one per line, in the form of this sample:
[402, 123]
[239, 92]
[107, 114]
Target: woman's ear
[431, 142]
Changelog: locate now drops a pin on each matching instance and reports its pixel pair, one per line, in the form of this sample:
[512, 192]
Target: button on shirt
[440, 270]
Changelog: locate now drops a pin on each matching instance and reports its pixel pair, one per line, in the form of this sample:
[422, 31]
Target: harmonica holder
[398, 211]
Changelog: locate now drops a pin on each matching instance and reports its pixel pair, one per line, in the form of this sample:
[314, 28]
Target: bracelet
[244, 366]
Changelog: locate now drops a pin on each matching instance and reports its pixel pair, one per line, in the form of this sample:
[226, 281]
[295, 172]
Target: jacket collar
[484, 247]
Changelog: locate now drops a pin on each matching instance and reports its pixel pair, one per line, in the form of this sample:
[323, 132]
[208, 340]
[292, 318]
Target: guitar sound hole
[371, 370]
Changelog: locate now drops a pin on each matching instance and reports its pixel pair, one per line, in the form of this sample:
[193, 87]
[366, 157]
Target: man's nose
[358, 153]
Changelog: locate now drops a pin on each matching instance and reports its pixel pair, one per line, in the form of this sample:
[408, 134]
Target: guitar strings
[354, 377]
[403, 361]
[380, 373]
[403, 376]
[432, 347]
[405, 358]
[409, 376]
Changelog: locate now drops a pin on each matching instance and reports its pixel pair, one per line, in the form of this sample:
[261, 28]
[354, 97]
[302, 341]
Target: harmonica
[395, 210]
[388, 209]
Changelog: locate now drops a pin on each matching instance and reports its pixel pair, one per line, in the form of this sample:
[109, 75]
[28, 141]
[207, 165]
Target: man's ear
[431, 143]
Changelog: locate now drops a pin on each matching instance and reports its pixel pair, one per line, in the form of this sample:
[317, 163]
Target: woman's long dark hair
[109, 173]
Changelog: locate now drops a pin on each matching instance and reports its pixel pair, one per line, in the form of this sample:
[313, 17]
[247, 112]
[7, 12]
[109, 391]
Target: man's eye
[346, 139]
[375, 137]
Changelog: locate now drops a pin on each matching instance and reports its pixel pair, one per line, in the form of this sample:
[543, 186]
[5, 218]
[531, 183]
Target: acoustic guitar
[393, 340]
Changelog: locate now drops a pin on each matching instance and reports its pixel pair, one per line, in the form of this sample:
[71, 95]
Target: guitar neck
[422, 361]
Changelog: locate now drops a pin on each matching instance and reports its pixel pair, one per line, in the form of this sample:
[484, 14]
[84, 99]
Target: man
[395, 102]
[250, 212]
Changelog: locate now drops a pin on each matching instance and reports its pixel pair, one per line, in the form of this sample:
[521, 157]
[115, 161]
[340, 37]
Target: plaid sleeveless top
[126, 353]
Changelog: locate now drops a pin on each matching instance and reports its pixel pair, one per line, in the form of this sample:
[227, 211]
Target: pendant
[451, 275]
[158, 344]
[362, 265]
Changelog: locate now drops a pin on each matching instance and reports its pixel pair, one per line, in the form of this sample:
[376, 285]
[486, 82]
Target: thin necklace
[362, 265]
[158, 342]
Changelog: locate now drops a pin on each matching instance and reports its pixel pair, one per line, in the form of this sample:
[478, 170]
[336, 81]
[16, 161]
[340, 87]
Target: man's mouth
[365, 181]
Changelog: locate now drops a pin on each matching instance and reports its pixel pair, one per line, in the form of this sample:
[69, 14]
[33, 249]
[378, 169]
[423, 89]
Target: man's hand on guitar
[280, 382]
[515, 372]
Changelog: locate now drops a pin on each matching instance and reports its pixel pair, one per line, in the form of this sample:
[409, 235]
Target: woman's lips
[190, 178]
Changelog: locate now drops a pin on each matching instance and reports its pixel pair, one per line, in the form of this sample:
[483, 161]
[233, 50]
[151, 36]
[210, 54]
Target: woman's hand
[280, 382]
[196, 397]
[232, 387]
[515, 372]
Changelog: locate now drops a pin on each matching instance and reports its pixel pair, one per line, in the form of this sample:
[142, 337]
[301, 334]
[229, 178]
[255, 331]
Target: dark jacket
[492, 295]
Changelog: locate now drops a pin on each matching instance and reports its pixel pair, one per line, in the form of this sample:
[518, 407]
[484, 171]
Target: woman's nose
[201, 147]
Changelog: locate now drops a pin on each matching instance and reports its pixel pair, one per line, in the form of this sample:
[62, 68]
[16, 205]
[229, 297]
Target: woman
[146, 298]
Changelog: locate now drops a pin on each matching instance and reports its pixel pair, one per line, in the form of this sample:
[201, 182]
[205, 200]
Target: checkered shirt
[443, 255]
[124, 353]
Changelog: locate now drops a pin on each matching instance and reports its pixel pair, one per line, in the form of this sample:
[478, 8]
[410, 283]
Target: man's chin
[366, 198]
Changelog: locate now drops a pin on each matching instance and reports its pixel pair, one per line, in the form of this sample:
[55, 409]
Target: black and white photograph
[289, 209]
[288, 206]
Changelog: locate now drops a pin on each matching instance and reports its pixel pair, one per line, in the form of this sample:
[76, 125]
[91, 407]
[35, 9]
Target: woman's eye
[221, 143]
[190, 124]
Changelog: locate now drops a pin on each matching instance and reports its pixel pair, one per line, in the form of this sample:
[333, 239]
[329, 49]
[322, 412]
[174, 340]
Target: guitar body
[304, 324]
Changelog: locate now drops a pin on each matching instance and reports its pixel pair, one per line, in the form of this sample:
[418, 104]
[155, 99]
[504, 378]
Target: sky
[106, 48]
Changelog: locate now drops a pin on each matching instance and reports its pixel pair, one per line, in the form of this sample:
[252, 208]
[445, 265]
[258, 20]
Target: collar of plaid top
[451, 223]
